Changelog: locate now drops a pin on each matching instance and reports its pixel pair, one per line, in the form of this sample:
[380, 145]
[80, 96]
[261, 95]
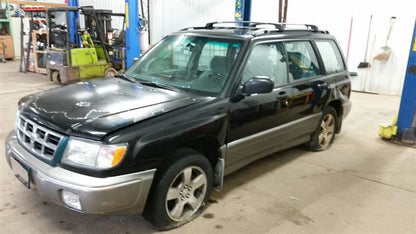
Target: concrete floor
[361, 185]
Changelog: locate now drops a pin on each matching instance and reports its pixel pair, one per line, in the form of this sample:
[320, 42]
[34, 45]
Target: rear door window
[302, 59]
[331, 56]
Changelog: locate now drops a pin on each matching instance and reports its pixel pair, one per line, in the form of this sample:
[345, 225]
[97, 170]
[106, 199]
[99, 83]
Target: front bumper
[124, 194]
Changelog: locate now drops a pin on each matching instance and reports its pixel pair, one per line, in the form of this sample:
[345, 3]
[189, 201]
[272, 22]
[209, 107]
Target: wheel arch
[207, 146]
[337, 105]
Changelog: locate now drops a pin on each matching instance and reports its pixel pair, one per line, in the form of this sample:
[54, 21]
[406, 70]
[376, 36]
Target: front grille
[40, 141]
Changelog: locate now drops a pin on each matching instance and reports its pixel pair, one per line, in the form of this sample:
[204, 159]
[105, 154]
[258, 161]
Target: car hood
[95, 108]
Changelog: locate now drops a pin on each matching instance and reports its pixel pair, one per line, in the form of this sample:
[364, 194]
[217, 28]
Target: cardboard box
[6, 46]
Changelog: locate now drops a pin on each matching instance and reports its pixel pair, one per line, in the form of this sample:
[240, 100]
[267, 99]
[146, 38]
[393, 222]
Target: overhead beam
[33, 3]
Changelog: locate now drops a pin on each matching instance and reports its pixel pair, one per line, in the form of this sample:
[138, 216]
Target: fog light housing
[71, 200]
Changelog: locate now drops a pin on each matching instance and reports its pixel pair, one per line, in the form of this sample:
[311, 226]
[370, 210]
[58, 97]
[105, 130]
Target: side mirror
[257, 85]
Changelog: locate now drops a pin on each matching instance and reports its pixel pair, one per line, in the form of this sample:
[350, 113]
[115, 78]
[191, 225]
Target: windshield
[191, 63]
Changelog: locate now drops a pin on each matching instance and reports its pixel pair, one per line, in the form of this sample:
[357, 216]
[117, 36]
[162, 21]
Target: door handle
[281, 95]
[322, 85]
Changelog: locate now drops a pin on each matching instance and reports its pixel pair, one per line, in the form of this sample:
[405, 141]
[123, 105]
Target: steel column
[73, 23]
[242, 10]
[132, 31]
[406, 120]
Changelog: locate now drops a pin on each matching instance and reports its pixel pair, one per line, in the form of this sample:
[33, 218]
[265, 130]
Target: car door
[310, 86]
[254, 121]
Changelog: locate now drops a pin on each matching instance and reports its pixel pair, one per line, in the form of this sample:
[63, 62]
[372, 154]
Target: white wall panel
[117, 6]
[167, 16]
[265, 11]
[334, 16]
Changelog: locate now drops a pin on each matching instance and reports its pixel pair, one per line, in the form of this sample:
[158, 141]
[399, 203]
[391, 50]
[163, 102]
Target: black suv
[202, 103]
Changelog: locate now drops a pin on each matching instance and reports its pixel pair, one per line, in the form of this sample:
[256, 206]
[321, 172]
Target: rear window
[330, 56]
[302, 60]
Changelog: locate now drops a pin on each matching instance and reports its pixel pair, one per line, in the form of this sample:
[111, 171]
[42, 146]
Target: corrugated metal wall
[167, 16]
[117, 6]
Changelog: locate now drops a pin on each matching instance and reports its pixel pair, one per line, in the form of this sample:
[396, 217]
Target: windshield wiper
[125, 77]
[160, 85]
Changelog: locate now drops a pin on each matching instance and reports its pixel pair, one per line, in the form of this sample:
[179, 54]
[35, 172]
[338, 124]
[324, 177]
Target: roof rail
[259, 27]
[307, 26]
[241, 24]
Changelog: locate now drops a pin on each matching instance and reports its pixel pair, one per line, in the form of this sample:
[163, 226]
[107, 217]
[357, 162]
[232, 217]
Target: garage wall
[167, 16]
[265, 10]
[117, 6]
[334, 16]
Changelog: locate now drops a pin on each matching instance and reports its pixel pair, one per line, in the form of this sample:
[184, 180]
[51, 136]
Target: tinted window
[330, 56]
[302, 60]
[267, 60]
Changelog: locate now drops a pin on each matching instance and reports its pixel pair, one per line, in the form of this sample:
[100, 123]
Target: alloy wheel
[186, 193]
[327, 131]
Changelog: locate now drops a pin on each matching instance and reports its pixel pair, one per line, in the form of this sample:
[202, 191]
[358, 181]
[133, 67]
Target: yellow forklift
[69, 62]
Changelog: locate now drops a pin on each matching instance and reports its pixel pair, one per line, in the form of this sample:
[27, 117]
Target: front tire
[324, 135]
[110, 72]
[181, 189]
[56, 77]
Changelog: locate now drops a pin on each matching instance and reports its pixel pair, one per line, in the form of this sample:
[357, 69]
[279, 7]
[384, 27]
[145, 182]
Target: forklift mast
[103, 22]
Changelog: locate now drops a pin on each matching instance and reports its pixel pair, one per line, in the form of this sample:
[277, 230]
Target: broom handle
[392, 20]
[349, 38]
[368, 38]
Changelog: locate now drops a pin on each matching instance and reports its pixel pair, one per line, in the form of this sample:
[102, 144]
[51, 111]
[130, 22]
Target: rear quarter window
[331, 56]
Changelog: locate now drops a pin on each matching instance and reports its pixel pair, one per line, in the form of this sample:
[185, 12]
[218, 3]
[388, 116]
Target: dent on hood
[91, 114]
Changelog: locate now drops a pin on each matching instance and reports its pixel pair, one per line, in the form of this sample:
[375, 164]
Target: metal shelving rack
[6, 23]
[8, 20]
[30, 54]
[34, 55]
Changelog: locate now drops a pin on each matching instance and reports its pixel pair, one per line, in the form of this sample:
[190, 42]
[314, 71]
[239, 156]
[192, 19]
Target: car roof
[252, 30]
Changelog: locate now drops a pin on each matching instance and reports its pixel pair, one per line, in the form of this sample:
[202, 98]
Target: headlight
[92, 154]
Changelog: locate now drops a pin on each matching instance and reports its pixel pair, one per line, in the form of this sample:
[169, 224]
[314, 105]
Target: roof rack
[242, 24]
[259, 27]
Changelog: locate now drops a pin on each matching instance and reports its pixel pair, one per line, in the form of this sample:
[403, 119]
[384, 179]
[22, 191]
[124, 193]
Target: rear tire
[180, 190]
[324, 135]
